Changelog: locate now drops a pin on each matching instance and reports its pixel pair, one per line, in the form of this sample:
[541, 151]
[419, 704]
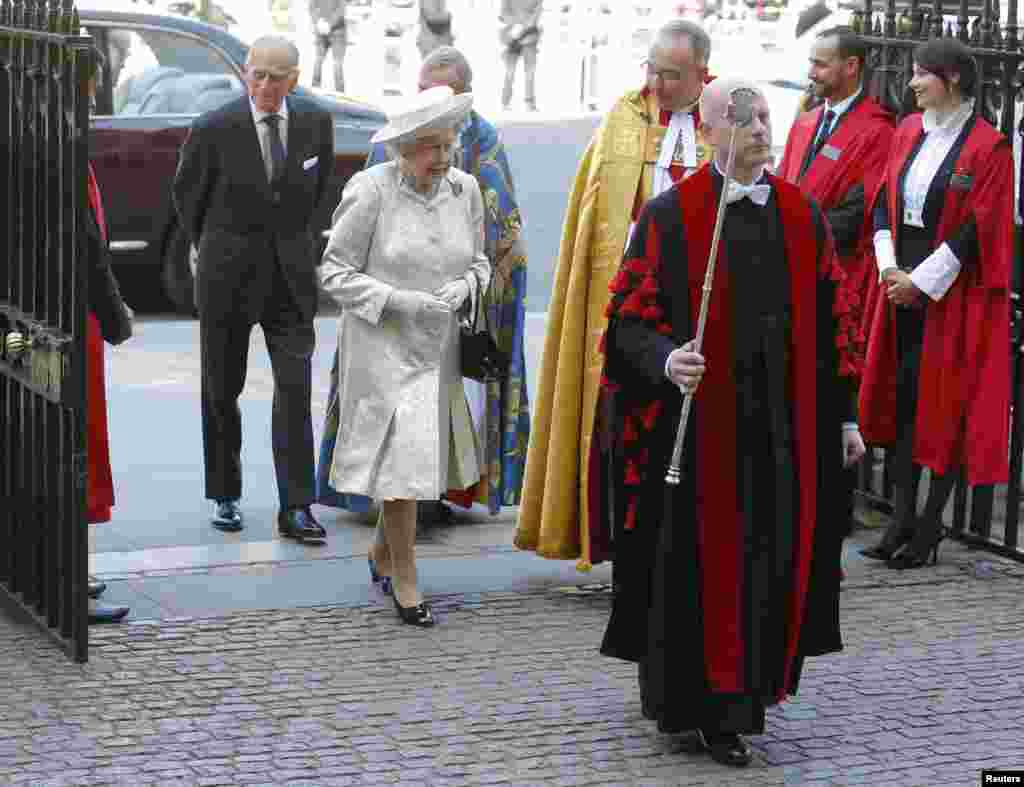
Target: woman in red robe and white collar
[936, 386]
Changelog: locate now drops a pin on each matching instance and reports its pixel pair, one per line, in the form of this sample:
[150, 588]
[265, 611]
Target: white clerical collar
[842, 106]
[949, 124]
[257, 115]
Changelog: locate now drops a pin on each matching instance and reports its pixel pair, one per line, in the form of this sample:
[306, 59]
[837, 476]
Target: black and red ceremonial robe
[681, 593]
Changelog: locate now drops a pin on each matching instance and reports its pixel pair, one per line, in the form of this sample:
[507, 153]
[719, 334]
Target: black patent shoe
[889, 545]
[727, 748]
[918, 553]
[102, 613]
[420, 615]
[228, 517]
[95, 588]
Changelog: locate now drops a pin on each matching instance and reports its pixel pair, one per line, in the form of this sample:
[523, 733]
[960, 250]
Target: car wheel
[178, 283]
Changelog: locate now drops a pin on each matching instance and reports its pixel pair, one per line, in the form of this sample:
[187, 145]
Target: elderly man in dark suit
[250, 177]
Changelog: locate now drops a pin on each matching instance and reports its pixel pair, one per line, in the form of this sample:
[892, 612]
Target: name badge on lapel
[961, 181]
[831, 152]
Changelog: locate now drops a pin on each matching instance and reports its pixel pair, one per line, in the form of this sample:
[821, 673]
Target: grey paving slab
[219, 591]
[509, 689]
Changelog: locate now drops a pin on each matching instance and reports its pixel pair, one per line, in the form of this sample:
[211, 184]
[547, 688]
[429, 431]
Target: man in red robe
[836, 153]
[726, 582]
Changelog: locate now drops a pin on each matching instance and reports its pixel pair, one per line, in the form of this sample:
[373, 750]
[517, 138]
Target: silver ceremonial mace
[739, 113]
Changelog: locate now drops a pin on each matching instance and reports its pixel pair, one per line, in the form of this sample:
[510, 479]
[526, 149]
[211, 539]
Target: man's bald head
[714, 101]
[753, 141]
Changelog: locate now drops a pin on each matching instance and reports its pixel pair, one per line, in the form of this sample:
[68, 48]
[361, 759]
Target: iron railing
[984, 516]
[44, 123]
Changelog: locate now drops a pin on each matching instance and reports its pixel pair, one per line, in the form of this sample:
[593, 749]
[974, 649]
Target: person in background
[109, 319]
[250, 178]
[651, 139]
[725, 583]
[329, 34]
[435, 26]
[404, 260]
[500, 408]
[936, 388]
[520, 35]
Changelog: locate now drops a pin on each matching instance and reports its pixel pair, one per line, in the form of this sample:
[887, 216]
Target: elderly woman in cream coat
[405, 258]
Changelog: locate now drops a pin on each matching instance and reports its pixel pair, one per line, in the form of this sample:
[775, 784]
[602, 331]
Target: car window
[156, 72]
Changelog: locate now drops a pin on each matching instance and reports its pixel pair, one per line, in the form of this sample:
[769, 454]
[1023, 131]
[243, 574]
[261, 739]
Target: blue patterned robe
[508, 417]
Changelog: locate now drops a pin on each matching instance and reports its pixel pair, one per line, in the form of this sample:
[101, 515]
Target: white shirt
[937, 272]
[837, 111]
[842, 106]
[263, 132]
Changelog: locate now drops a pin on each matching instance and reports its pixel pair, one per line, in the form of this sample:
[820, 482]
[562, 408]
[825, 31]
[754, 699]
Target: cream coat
[404, 427]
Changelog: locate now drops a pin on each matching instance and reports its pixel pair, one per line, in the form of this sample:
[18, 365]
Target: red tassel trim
[633, 476]
[650, 414]
[631, 514]
[630, 434]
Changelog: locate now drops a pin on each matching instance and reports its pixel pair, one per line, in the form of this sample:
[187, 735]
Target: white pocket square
[310, 162]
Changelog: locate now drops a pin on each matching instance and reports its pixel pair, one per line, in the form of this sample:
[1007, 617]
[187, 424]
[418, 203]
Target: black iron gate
[985, 516]
[44, 122]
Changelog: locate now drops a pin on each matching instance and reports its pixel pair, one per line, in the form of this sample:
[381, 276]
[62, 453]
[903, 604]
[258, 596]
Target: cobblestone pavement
[509, 689]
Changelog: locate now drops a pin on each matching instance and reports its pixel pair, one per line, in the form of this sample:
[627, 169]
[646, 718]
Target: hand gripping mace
[739, 113]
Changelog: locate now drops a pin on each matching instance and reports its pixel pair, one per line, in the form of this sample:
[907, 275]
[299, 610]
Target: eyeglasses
[259, 74]
[664, 74]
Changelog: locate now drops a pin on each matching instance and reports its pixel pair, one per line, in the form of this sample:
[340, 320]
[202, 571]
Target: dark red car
[161, 73]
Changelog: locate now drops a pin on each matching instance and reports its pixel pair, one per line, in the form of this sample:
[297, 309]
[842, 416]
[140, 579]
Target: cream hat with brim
[437, 107]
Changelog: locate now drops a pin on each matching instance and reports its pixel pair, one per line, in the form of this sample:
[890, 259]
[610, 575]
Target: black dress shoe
[95, 587]
[420, 615]
[101, 613]
[228, 517]
[727, 748]
[300, 524]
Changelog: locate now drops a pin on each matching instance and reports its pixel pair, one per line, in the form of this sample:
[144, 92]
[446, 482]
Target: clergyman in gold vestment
[649, 140]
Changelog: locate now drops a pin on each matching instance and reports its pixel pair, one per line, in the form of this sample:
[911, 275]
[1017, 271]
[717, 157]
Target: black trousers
[224, 341]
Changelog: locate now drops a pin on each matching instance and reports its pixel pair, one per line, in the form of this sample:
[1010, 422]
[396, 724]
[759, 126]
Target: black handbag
[479, 356]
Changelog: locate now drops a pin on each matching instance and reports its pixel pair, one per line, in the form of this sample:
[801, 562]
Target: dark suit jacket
[243, 226]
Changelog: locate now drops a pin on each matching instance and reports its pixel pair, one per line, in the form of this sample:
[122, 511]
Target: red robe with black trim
[682, 603]
[963, 405]
[99, 479]
[860, 145]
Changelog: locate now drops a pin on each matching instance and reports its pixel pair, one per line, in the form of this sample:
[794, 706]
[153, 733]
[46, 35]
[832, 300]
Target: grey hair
[698, 37]
[450, 57]
[275, 42]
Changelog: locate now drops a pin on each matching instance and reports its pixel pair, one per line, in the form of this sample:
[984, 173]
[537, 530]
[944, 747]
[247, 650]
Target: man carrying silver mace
[727, 580]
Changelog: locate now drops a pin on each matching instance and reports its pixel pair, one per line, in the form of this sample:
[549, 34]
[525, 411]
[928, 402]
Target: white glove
[853, 446]
[414, 304]
[322, 27]
[454, 293]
